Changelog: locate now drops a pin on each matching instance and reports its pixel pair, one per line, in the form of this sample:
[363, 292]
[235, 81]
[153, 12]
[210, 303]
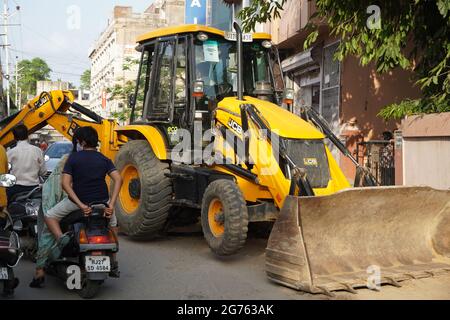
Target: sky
[59, 31]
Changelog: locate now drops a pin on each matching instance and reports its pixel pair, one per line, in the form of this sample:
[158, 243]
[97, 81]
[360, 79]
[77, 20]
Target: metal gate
[378, 156]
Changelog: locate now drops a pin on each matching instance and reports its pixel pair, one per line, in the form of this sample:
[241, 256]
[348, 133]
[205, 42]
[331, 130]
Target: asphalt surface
[182, 267]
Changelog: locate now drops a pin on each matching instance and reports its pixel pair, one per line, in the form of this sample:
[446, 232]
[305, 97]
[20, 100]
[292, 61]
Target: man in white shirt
[27, 163]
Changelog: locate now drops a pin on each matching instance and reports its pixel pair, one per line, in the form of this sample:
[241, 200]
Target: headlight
[202, 37]
[32, 208]
[266, 44]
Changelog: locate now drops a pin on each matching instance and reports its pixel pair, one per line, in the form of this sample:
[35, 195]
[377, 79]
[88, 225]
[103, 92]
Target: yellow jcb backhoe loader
[210, 130]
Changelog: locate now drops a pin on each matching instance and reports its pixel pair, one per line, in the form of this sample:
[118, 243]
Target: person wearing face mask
[82, 182]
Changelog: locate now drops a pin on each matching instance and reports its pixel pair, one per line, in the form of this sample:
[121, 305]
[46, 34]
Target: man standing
[27, 163]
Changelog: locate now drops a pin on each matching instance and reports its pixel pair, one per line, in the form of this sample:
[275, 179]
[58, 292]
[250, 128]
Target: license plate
[232, 36]
[4, 274]
[36, 228]
[98, 264]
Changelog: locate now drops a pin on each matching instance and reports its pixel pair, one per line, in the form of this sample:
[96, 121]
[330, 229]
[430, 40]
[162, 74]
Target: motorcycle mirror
[7, 180]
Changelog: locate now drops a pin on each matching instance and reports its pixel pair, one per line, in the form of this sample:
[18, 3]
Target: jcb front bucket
[345, 240]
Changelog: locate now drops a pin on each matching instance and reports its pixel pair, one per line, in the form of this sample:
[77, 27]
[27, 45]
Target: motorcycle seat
[72, 218]
[21, 196]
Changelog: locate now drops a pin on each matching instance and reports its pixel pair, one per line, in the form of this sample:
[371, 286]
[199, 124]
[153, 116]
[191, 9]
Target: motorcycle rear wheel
[89, 288]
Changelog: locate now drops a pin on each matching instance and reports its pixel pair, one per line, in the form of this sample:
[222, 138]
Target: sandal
[37, 282]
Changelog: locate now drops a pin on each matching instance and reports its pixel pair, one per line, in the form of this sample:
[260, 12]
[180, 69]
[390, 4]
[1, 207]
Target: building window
[331, 83]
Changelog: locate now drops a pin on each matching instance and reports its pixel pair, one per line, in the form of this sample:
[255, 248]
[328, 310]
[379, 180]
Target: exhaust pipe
[240, 89]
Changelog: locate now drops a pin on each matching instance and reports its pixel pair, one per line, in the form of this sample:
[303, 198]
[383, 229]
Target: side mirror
[131, 100]
[7, 180]
[46, 158]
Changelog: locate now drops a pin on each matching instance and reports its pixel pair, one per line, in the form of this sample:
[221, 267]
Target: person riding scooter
[83, 180]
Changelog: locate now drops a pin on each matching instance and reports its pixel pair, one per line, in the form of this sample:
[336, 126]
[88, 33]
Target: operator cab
[186, 71]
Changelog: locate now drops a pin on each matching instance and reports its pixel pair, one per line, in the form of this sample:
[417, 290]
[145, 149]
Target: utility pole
[5, 22]
[17, 83]
[6, 17]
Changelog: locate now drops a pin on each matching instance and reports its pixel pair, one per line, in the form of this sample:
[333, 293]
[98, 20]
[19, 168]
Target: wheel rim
[216, 218]
[128, 199]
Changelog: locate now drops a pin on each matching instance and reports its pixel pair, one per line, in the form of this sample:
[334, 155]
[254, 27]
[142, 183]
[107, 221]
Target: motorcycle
[91, 248]
[24, 210]
[10, 250]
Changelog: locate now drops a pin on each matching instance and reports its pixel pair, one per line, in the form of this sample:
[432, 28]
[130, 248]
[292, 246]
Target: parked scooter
[10, 251]
[91, 248]
[24, 209]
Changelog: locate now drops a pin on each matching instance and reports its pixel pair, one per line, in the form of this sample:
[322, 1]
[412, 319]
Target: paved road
[182, 267]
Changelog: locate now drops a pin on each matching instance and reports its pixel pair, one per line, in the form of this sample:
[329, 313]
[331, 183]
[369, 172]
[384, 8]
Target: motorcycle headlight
[32, 208]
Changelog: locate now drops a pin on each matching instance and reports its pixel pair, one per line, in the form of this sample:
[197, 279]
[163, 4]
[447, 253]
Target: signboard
[195, 12]
[104, 99]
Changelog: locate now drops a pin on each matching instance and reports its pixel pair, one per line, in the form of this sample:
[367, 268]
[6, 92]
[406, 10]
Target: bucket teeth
[392, 281]
[327, 292]
[349, 288]
[430, 273]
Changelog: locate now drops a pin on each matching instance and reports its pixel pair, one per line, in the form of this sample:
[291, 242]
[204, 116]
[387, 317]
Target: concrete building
[116, 47]
[51, 85]
[81, 96]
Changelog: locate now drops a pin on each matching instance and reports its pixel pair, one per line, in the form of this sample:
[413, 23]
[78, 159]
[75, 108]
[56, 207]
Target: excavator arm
[58, 110]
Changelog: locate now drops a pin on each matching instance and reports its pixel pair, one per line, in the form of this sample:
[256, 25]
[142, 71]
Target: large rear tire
[144, 199]
[224, 217]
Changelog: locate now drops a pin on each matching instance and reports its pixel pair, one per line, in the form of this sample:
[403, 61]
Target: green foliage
[385, 41]
[410, 107]
[129, 63]
[85, 80]
[122, 116]
[260, 11]
[30, 72]
[121, 90]
[398, 111]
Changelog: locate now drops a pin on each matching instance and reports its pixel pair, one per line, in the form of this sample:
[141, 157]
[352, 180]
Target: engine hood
[281, 121]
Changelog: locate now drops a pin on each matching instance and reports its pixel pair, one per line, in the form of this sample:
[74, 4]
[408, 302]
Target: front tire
[224, 217]
[144, 199]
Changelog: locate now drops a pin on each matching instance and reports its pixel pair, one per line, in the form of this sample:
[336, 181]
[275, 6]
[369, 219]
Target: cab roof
[190, 28]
